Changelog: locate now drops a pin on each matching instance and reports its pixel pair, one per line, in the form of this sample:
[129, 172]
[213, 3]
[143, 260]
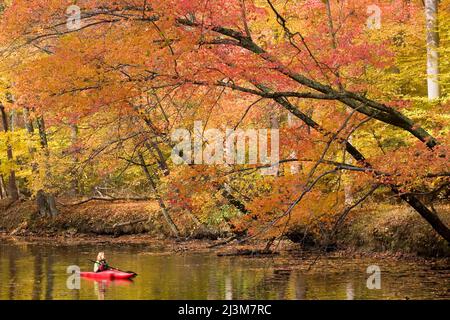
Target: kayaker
[101, 264]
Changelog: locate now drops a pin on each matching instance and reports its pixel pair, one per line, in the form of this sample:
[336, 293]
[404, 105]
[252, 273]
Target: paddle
[117, 269]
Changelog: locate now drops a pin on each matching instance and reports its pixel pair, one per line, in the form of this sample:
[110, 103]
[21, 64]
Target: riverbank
[287, 255]
[385, 230]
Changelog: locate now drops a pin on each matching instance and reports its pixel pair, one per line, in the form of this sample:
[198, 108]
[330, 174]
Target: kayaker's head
[101, 256]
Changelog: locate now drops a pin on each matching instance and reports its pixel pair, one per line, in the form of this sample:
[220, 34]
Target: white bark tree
[432, 31]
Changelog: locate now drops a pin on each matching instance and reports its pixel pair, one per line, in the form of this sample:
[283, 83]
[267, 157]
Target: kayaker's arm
[112, 268]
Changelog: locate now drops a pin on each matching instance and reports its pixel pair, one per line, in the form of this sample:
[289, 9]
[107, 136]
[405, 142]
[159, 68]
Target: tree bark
[431, 15]
[30, 129]
[75, 190]
[26, 119]
[42, 204]
[2, 188]
[12, 183]
[164, 210]
[46, 201]
[232, 199]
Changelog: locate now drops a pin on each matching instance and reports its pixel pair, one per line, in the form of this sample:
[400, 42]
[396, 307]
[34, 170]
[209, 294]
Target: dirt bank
[89, 218]
[381, 229]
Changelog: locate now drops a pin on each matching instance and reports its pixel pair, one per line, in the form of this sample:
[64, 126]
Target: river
[39, 271]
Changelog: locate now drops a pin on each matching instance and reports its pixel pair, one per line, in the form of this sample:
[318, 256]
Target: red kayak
[108, 274]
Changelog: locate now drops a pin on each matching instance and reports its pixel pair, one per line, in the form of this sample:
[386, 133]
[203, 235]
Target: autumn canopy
[92, 91]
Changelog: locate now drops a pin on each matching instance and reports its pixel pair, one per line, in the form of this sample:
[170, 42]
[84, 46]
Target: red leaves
[146, 76]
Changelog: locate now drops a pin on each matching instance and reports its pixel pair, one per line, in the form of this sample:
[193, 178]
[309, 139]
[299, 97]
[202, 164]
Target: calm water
[33, 271]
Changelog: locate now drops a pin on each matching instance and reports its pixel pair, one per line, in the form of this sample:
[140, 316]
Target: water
[39, 271]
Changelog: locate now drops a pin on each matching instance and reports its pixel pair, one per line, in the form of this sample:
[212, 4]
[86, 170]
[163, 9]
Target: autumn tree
[150, 67]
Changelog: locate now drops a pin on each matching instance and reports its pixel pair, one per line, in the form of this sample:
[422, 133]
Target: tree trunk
[432, 218]
[232, 199]
[431, 15]
[51, 200]
[2, 188]
[41, 197]
[42, 204]
[42, 134]
[46, 201]
[348, 196]
[75, 190]
[165, 212]
[29, 126]
[30, 129]
[12, 184]
[26, 119]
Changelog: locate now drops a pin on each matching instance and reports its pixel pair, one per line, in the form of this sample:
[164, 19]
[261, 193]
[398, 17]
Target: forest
[115, 113]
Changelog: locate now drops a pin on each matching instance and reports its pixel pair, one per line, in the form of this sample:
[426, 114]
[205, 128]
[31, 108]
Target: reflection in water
[101, 286]
[350, 292]
[299, 285]
[37, 273]
[228, 288]
[100, 290]
[50, 277]
[12, 273]
[32, 271]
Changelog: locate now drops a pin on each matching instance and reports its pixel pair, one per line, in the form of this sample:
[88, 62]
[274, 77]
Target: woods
[91, 93]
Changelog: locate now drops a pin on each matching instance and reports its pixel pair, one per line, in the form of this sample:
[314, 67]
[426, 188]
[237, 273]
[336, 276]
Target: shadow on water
[36, 271]
[12, 255]
[49, 276]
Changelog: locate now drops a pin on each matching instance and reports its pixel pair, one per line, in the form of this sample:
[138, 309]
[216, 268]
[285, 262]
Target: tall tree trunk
[431, 15]
[2, 188]
[12, 184]
[30, 129]
[42, 133]
[27, 121]
[41, 197]
[12, 120]
[46, 201]
[348, 196]
[164, 210]
[74, 176]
